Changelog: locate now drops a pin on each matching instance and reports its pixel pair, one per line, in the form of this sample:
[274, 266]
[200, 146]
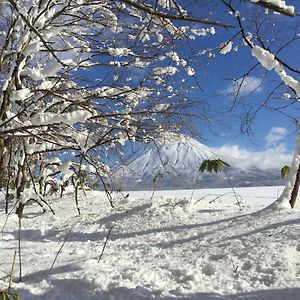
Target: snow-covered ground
[160, 248]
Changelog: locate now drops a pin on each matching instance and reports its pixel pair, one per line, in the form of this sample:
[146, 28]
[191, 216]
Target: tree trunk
[289, 195]
[295, 189]
[2, 164]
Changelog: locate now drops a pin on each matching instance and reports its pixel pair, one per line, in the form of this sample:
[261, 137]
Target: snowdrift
[164, 248]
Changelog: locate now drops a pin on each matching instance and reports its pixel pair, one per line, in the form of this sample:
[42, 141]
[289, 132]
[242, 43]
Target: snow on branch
[278, 6]
[152, 11]
[269, 61]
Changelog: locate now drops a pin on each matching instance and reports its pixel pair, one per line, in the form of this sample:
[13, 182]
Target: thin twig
[8, 179]
[156, 182]
[108, 195]
[76, 196]
[160, 14]
[153, 192]
[34, 187]
[105, 243]
[218, 197]
[194, 187]
[19, 249]
[58, 252]
[238, 201]
[11, 275]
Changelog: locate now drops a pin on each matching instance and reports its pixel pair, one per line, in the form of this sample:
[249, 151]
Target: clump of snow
[286, 95]
[280, 4]
[190, 71]
[200, 31]
[269, 61]
[212, 30]
[21, 94]
[225, 48]
[167, 70]
[68, 118]
[51, 68]
[173, 55]
[161, 107]
[119, 51]
[32, 48]
[34, 73]
[47, 85]
[159, 37]
[266, 58]
[203, 31]
[166, 3]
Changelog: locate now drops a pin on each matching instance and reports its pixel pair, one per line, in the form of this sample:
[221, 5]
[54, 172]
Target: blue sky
[271, 132]
[254, 91]
[214, 76]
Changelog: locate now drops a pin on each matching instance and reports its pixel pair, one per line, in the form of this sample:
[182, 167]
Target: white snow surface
[167, 247]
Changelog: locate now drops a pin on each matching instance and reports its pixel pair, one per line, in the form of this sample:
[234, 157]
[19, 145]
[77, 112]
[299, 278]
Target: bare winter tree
[80, 77]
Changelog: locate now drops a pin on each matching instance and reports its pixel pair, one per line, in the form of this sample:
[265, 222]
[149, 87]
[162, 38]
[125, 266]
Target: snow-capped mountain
[176, 166]
[177, 162]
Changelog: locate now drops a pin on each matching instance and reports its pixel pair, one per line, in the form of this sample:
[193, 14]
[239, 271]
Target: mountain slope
[176, 164]
[177, 161]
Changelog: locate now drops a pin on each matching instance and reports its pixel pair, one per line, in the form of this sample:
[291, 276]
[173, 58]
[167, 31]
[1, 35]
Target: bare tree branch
[273, 7]
[160, 14]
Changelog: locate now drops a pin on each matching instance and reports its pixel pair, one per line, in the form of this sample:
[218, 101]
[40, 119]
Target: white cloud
[245, 86]
[276, 134]
[272, 158]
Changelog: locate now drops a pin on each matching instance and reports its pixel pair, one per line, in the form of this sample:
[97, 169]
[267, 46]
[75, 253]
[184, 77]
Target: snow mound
[165, 248]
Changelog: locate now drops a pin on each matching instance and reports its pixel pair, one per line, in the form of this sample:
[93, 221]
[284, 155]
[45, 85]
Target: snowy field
[160, 248]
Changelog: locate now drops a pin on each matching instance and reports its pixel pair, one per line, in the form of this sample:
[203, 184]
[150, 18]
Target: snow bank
[164, 248]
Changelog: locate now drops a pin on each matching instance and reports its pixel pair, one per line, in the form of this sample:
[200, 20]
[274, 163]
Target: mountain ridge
[176, 166]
